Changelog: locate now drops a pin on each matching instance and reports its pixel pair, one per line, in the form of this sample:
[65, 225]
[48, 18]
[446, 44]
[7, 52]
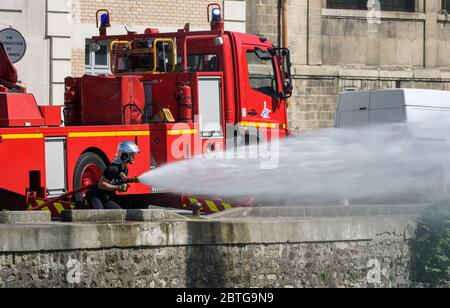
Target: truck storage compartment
[112, 100]
[19, 110]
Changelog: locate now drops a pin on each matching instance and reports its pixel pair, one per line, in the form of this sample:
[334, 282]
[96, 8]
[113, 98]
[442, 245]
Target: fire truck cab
[176, 95]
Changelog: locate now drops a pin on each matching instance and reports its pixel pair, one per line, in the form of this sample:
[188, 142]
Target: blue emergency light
[104, 20]
[216, 14]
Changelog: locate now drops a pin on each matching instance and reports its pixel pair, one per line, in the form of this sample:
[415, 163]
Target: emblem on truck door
[265, 114]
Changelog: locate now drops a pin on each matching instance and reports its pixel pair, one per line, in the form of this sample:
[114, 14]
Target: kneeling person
[102, 195]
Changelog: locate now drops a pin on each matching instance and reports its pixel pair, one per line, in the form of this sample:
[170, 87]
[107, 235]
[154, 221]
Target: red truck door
[262, 106]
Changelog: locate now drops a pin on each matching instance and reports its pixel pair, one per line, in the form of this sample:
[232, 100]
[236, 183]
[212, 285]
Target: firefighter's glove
[122, 188]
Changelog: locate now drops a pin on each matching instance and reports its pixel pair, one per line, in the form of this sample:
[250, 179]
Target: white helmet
[124, 152]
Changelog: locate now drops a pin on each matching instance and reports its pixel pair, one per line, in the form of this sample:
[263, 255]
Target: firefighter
[114, 178]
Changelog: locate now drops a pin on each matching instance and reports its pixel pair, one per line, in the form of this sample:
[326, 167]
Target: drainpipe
[285, 41]
[285, 23]
[279, 5]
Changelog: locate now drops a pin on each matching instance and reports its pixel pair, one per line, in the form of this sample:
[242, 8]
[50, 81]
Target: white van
[362, 108]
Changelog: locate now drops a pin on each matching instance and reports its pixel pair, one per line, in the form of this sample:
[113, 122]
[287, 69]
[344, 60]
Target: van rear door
[386, 106]
[353, 109]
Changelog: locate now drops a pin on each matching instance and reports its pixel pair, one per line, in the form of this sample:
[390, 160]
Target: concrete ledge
[11, 217]
[152, 215]
[75, 236]
[322, 211]
[93, 215]
[357, 72]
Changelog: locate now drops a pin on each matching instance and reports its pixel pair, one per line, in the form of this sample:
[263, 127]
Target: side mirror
[284, 60]
[288, 88]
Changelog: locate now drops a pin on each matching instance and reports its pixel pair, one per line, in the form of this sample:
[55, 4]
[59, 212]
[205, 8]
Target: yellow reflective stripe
[92, 134]
[193, 200]
[131, 133]
[212, 206]
[59, 207]
[22, 136]
[182, 132]
[226, 205]
[109, 134]
[259, 124]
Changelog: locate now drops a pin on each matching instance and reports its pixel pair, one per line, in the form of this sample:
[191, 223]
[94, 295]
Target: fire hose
[79, 190]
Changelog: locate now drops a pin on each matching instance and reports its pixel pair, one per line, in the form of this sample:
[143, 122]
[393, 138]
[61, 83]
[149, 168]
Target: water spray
[397, 163]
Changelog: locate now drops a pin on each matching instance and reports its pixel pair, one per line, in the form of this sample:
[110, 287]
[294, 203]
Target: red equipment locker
[112, 100]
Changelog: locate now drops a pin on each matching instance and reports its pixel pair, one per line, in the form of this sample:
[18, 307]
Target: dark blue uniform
[102, 199]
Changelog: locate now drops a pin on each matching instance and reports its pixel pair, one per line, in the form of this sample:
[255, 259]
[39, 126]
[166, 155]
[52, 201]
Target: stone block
[93, 215]
[10, 217]
[235, 10]
[60, 70]
[63, 6]
[58, 24]
[62, 48]
[152, 215]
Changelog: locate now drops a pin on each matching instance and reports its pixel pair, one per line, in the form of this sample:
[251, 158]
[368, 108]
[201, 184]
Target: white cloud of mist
[391, 163]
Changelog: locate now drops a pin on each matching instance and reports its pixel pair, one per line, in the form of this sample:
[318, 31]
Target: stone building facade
[57, 33]
[340, 45]
[336, 45]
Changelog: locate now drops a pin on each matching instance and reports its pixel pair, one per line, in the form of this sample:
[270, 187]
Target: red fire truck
[176, 95]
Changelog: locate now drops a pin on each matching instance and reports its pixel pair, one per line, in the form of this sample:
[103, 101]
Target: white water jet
[390, 163]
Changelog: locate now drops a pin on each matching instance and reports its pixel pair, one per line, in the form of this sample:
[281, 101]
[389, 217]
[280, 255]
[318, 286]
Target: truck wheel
[89, 170]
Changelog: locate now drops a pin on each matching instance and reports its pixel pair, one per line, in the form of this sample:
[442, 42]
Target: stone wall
[339, 264]
[78, 62]
[319, 246]
[140, 12]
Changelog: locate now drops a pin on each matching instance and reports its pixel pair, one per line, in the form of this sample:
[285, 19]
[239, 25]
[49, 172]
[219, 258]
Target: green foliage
[431, 246]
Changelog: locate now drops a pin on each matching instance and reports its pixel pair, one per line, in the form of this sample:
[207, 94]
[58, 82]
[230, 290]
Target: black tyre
[88, 170]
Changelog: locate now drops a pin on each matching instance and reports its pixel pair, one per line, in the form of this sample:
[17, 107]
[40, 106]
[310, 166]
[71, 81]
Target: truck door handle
[252, 112]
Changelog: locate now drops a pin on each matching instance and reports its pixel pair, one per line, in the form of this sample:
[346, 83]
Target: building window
[386, 5]
[446, 5]
[96, 58]
[347, 4]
